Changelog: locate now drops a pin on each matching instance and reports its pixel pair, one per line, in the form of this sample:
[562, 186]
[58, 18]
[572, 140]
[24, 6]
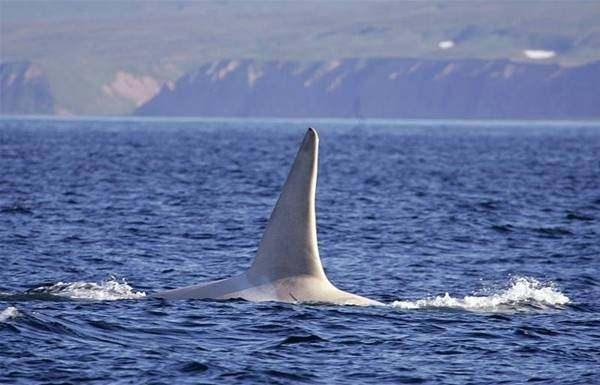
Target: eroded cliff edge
[24, 90]
[383, 88]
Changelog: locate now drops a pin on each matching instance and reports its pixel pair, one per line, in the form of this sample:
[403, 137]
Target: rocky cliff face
[24, 89]
[383, 88]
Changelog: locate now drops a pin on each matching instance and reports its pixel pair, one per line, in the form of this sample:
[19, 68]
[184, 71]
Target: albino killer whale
[287, 266]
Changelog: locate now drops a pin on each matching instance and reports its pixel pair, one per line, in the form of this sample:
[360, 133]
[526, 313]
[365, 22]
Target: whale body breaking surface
[287, 266]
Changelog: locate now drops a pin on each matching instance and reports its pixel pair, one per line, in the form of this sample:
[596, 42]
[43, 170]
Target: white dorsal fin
[289, 247]
[287, 266]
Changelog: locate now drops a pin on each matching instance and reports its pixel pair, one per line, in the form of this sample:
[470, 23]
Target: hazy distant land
[376, 59]
[383, 88]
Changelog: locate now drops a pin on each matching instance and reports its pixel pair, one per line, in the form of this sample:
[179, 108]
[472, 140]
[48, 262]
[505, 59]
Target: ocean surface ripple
[481, 239]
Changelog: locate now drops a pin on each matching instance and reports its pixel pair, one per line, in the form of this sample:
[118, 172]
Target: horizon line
[298, 120]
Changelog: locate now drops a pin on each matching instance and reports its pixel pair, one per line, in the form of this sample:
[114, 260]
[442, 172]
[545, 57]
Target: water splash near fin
[109, 290]
[522, 294]
[8, 313]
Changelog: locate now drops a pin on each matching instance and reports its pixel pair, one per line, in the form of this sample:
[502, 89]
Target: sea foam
[109, 290]
[8, 313]
[523, 293]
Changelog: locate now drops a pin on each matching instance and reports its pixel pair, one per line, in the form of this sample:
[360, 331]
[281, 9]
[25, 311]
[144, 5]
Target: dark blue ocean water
[483, 239]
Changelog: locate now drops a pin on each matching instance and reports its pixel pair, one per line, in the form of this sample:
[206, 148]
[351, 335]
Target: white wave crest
[109, 290]
[8, 313]
[523, 291]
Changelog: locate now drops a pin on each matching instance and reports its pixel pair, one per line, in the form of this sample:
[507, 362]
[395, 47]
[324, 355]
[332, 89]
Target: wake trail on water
[523, 293]
[109, 290]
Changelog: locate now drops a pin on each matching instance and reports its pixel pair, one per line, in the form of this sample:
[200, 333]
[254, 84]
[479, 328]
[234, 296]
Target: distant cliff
[383, 88]
[24, 89]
